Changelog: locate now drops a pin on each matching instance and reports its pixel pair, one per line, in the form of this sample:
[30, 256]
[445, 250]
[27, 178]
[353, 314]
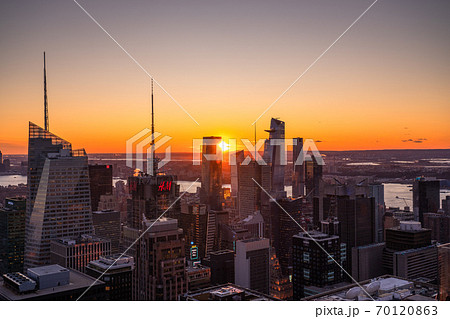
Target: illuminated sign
[194, 252]
[165, 186]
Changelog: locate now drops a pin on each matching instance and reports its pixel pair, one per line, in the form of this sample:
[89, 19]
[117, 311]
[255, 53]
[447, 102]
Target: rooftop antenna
[152, 143]
[45, 99]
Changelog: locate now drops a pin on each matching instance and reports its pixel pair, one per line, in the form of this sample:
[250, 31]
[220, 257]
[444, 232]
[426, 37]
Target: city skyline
[377, 97]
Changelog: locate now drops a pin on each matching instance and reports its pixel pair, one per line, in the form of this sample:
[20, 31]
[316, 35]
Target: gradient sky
[384, 85]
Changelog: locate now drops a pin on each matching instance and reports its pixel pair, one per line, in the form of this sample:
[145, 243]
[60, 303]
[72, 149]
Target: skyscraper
[249, 196]
[211, 189]
[425, 197]
[283, 228]
[100, 177]
[194, 221]
[12, 235]
[107, 226]
[298, 171]
[444, 271]
[312, 266]
[58, 203]
[151, 197]
[160, 272]
[251, 264]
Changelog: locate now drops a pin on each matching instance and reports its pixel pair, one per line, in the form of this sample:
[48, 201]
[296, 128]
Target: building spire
[154, 165]
[46, 124]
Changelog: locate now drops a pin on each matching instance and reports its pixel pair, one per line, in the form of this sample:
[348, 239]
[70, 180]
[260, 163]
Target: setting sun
[224, 146]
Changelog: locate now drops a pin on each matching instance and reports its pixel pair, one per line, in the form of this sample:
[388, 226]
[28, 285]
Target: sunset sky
[383, 85]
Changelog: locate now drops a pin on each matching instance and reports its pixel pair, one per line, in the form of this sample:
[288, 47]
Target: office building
[100, 181]
[50, 283]
[151, 197]
[194, 221]
[416, 263]
[249, 195]
[211, 189]
[439, 223]
[160, 272]
[107, 225]
[251, 265]
[76, 253]
[221, 264]
[12, 235]
[254, 224]
[425, 197]
[444, 271]
[198, 276]
[58, 202]
[116, 272]
[285, 221]
[367, 261]
[298, 171]
[312, 266]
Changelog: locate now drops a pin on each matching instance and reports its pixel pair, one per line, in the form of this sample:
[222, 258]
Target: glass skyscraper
[58, 203]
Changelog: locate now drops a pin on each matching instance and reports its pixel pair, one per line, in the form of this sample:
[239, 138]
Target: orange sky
[384, 83]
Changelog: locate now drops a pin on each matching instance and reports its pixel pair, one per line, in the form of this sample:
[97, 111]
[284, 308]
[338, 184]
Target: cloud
[319, 141]
[417, 140]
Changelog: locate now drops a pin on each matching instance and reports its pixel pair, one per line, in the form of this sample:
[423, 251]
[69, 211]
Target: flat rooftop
[77, 280]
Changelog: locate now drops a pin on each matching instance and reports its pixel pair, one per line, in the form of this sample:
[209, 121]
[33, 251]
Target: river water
[391, 190]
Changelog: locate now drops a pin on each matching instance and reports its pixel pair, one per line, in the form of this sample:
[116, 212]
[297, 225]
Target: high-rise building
[409, 251]
[272, 174]
[439, 223]
[221, 264]
[416, 263]
[12, 235]
[198, 276]
[312, 266]
[160, 272]
[76, 253]
[194, 221]
[211, 189]
[446, 205]
[425, 197]
[251, 265]
[444, 271]
[285, 223]
[313, 177]
[58, 203]
[107, 226]
[151, 197]
[100, 177]
[298, 171]
[367, 261]
[116, 272]
[249, 195]
[254, 224]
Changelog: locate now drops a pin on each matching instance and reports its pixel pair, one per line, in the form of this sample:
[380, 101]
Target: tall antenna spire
[46, 124]
[152, 143]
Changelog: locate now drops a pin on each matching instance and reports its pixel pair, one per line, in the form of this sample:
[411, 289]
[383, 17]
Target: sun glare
[224, 146]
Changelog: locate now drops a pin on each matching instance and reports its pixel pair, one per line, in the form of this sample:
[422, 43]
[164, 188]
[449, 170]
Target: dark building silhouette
[116, 272]
[211, 189]
[151, 197]
[107, 225]
[12, 235]
[312, 266]
[100, 181]
[283, 227]
[439, 223]
[194, 221]
[425, 197]
[298, 171]
[221, 264]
